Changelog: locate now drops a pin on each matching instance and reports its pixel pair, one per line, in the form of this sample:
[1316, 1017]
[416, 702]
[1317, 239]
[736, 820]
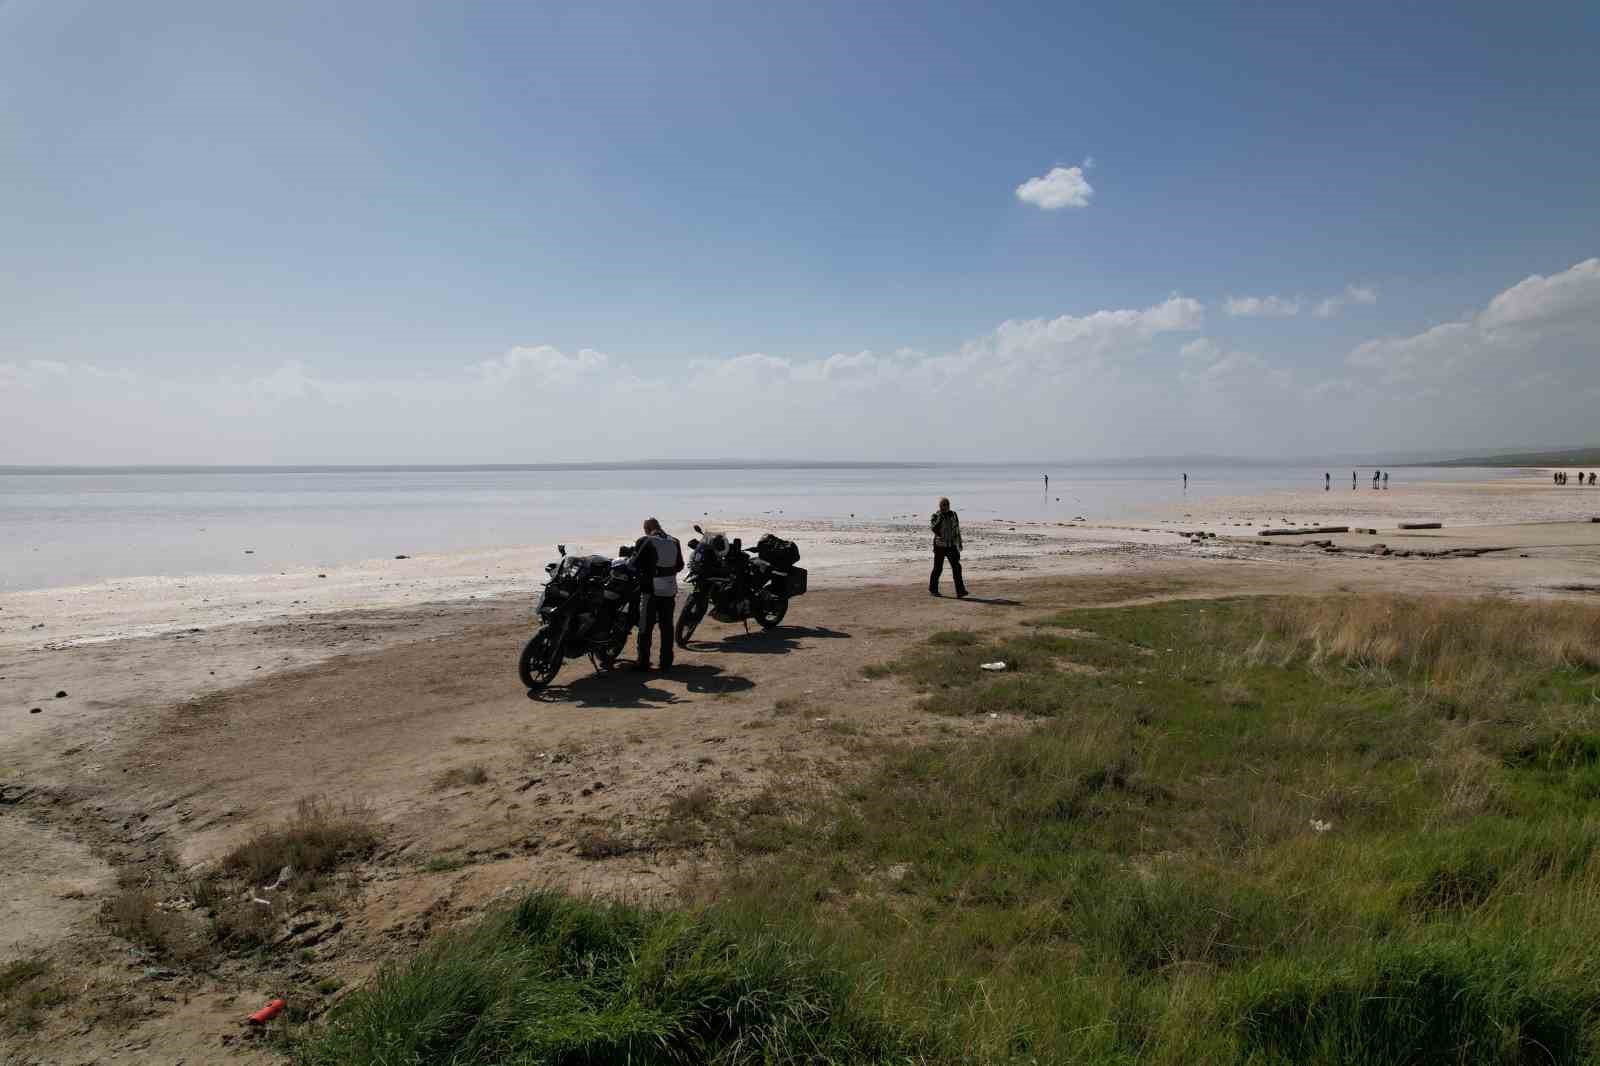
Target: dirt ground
[170, 749]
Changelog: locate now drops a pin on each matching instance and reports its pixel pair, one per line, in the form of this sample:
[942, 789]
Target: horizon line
[1456, 457]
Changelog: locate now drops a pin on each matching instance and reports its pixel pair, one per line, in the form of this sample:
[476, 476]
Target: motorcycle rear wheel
[694, 609]
[770, 607]
[540, 660]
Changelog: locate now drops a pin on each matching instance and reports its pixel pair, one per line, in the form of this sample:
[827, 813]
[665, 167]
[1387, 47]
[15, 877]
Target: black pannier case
[779, 553]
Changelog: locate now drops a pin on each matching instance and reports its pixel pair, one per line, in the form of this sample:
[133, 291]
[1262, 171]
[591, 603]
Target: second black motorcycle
[587, 607]
[735, 586]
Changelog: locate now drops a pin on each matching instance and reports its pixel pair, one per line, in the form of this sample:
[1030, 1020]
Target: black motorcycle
[736, 586]
[587, 607]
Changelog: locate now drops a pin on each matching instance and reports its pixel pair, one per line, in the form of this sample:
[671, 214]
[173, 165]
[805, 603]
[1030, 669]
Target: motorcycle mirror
[738, 544]
[562, 548]
[625, 551]
[694, 542]
[697, 529]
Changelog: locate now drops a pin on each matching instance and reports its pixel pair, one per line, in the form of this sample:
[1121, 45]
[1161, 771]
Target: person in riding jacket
[659, 559]
[946, 545]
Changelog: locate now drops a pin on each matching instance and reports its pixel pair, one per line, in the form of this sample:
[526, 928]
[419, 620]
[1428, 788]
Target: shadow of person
[780, 640]
[996, 601]
[624, 688]
[703, 677]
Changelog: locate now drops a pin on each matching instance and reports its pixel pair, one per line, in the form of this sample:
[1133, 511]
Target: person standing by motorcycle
[659, 558]
[946, 545]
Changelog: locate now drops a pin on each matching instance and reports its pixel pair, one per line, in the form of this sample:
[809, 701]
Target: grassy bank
[1351, 830]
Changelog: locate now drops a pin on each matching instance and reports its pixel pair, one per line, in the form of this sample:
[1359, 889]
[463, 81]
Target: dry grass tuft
[318, 837]
[240, 923]
[461, 776]
[1450, 643]
[699, 803]
[602, 842]
[135, 915]
[26, 992]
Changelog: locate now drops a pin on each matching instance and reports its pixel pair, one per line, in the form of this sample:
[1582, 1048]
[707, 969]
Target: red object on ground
[267, 1013]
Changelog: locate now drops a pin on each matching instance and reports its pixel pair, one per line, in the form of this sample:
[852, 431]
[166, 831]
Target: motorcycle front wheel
[770, 607]
[694, 609]
[540, 660]
[611, 652]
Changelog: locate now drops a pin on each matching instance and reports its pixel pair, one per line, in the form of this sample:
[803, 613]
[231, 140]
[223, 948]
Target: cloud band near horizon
[1114, 381]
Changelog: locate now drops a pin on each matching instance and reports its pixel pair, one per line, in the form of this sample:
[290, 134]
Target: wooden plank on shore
[1302, 532]
[1421, 525]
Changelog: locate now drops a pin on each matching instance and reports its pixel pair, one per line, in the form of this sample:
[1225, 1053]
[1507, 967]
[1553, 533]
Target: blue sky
[285, 232]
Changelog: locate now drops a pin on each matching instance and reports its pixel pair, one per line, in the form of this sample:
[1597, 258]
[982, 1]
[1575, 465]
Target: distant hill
[1554, 457]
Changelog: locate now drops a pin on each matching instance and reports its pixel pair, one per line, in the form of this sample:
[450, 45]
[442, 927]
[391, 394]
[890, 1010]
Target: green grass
[555, 980]
[1333, 831]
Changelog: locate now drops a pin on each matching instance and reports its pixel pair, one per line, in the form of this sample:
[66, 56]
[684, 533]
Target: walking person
[1186, 482]
[1386, 479]
[946, 545]
[659, 557]
[1327, 482]
[1352, 481]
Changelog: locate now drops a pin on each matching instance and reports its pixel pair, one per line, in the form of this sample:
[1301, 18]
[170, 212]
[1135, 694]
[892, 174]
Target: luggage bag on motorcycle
[796, 582]
[782, 554]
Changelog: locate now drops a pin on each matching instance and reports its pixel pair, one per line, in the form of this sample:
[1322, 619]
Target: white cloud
[1568, 299]
[1261, 307]
[1353, 294]
[1079, 336]
[1539, 325]
[1062, 187]
[545, 364]
[999, 391]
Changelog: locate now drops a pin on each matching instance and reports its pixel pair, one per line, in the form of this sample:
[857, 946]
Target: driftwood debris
[1302, 532]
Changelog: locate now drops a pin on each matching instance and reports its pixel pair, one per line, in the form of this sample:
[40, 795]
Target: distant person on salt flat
[1386, 479]
[1185, 480]
[1327, 482]
[946, 545]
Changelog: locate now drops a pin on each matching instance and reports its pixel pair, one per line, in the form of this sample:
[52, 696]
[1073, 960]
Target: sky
[484, 232]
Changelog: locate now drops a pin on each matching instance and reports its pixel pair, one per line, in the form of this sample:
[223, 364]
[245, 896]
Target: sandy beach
[192, 711]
